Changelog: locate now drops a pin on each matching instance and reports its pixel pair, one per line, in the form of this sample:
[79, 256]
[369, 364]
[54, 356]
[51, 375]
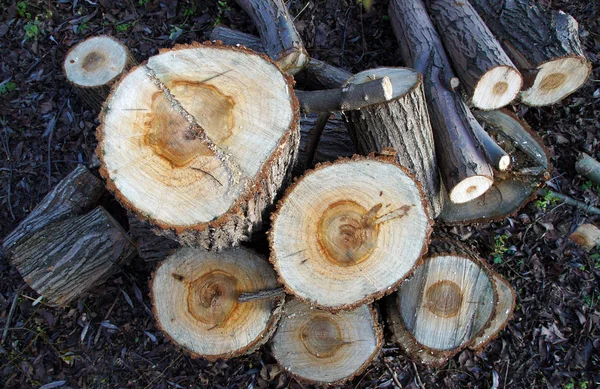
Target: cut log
[94, 65]
[495, 155]
[76, 194]
[588, 167]
[512, 190]
[586, 235]
[502, 313]
[340, 228]
[150, 246]
[349, 97]
[67, 258]
[324, 348]
[485, 71]
[277, 33]
[544, 44]
[448, 301]
[199, 140]
[403, 124]
[465, 171]
[316, 75]
[195, 300]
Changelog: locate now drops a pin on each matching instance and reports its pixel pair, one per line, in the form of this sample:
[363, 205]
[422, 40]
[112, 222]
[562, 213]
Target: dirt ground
[108, 338]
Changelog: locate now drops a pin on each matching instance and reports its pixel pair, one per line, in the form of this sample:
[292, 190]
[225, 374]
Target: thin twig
[394, 375]
[10, 313]
[418, 376]
[105, 318]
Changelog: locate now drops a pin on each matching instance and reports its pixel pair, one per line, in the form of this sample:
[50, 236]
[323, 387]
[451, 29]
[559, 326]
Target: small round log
[195, 300]
[401, 123]
[502, 313]
[448, 301]
[588, 167]
[198, 141]
[543, 43]
[324, 348]
[586, 235]
[340, 228]
[94, 65]
[488, 75]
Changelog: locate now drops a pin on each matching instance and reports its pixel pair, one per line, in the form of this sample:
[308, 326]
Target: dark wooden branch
[495, 155]
[588, 167]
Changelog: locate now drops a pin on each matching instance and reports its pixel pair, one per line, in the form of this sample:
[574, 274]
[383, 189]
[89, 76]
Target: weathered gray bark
[588, 167]
[74, 195]
[495, 155]
[150, 247]
[67, 258]
[487, 73]
[458, 153]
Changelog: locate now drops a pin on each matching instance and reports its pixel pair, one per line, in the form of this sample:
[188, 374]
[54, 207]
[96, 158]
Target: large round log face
[341, 228]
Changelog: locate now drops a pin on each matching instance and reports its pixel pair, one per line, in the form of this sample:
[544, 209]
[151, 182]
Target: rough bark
[544, 44]
[588, 167]
[277, 33]
[316, 75]
[331, 234]
[485, 71]
[184, 151]
[150, 246]
[94, 65]
[403, 124]
[69, 257]
[74, 195]
[465, 171]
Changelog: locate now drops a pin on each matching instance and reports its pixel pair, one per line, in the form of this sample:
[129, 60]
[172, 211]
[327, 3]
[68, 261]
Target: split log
[94, 65]
[544, 44]
[502, 313]
[485, 71]
[67, 258]
[277, 33]
[403, 124]
[199, 140]
[324, 348]
[150, 246]
[339, 230]
[349, 97]
[195, 300]
[586, 235]
[512, 190]
[465, 171]
[316, 75]
[76, 194]
[588, 167]
[448, 301]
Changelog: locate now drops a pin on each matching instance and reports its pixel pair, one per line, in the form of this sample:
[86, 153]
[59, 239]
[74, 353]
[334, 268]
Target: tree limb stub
[349, 97]
[588, 167]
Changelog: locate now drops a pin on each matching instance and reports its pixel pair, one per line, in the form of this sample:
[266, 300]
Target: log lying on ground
[67, 258]
[403, 124]
[195, 301]
[74, 195]
[316, 75]
[511, 190]
[495, 155]
[449, 300]
[465, 172]
[588, 167]
[543, 43]
[586, 235]
[277, 33]
[485, 71]
[332, 232]
[94, 65]
[199, 140]
[324, 348]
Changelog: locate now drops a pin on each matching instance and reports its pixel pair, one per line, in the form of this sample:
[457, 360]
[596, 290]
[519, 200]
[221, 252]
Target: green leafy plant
[500, 247]
[545, 201]
[222, 8]
[32, 30]
[22, 10]
[189, 10]
[123, 27]
[143, 2]
[8, 87]
[590, 185]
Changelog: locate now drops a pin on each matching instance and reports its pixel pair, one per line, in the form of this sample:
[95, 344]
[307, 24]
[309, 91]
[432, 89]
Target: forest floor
[108, 338]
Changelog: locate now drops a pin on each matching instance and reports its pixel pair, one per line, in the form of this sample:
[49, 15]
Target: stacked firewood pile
[199, 144]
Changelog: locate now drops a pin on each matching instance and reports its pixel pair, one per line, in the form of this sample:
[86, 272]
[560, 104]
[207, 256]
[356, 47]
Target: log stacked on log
[543, 43]
[94, 65]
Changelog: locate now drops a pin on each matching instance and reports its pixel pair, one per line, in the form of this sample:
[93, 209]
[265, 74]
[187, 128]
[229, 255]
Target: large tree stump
[340, 228]
[74, 195]
[195, 299]
[199, 140]
[324, 348]
[403, 124]
[94, 65]
[543, 43]
[449, 300]
[66, 258]
[488, 75]
[465, 171]
[277, 33]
